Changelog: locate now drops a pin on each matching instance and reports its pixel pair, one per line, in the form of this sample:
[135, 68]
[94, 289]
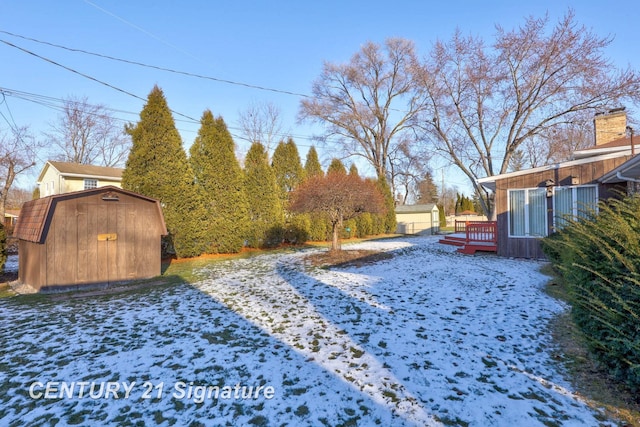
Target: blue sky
[272, 44]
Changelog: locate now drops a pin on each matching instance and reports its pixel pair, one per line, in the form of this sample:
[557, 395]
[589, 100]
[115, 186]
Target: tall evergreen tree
[319, 227]
[389, 217]
[336, 166]
[289, 173]
[312, 165]
[427, 190]
[353, 170]
[157, 167]
[287, 168]
[265, 209]
[219, 175]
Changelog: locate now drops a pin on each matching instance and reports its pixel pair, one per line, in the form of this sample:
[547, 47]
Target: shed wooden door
[104, 249]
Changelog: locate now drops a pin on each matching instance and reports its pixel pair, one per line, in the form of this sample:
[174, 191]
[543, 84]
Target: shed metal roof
[427, 207]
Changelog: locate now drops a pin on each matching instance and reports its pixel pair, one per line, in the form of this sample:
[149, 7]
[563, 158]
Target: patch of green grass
[391, 395]
[489, 363]
[302, 411]
[259, 420]
[356, 353]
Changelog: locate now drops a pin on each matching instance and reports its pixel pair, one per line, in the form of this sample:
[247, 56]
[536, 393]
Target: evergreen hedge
[220, 177]
[3, 247]
[158, 167]
[599, 259]
[266, 214]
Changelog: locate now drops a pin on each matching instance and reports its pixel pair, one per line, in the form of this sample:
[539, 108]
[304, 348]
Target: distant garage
[99, 236]
[418, 219]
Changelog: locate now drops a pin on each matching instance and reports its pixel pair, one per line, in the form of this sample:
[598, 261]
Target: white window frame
[90, 184]
[575, 208]
[527, 222]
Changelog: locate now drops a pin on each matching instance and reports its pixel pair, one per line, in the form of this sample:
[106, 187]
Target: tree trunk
[336, 226]
[335, 241]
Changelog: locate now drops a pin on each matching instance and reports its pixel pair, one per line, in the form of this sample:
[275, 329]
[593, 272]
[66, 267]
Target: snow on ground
[428, 337]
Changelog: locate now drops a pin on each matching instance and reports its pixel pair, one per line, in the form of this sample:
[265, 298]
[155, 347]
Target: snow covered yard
[428, 337]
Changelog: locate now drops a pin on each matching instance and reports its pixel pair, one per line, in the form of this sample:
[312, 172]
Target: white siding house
[418, 219]
[64, 177]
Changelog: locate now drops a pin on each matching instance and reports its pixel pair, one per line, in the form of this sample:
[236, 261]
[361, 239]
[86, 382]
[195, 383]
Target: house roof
[83, 171]
[490, 181]
[427, 207]
[14, 213]
[617, 145]
[36, 214]
[628, 171]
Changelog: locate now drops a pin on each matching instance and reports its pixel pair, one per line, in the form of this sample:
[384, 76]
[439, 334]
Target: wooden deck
[477, 236]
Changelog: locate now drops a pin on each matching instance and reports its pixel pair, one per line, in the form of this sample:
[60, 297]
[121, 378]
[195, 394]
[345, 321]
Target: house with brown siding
[531, 204]
[98, 236]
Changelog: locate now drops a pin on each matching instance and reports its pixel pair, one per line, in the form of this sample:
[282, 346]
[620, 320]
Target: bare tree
[558, 144]
[407, 167]
[369, 103]
[88, 134]
[262, 123]
[17, 155]
[339, 196]
[487, 103]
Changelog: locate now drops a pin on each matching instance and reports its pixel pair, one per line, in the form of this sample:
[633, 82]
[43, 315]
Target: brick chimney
[610, 125]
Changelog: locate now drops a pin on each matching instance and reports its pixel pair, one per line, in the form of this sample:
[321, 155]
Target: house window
[527, 212]
[573, 203]
[90, 183]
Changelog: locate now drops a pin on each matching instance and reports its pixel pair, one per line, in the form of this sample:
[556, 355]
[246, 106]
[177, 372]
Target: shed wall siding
[72, 254]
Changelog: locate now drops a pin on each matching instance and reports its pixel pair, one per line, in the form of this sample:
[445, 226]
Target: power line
[87, 76]
[156, 67]
[57, 104]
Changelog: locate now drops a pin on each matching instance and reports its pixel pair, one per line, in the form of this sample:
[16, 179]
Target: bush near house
[599, 258]
[3, 247]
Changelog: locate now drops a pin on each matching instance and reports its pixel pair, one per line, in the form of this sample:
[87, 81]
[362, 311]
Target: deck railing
[481, 231]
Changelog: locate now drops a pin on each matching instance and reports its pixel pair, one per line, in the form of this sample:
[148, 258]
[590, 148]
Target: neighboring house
[531, 204]
[10, 219]
[418, 219]
[99, 236]
[63, 177]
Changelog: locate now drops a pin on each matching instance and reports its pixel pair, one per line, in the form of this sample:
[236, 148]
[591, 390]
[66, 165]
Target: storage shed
[98, 236]
[418, 219]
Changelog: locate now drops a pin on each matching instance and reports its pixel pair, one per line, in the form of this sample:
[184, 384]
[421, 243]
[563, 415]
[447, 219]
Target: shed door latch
[107, 237]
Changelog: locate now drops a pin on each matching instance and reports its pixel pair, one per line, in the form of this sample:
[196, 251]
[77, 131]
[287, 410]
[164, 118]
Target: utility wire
[88, 76]
[155, 67]
[58, 105]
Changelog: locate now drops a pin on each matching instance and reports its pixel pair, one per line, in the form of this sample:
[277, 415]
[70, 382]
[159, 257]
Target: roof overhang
[628, 171]
[490, 182]
[590, 152]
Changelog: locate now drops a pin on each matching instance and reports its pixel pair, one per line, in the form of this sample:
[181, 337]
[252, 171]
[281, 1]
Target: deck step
[450, 241]
[472, 248]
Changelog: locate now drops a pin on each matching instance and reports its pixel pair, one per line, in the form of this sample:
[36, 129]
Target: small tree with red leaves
[340, 196]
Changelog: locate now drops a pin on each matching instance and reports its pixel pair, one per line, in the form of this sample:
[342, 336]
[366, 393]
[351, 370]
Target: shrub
[3, 247]
[599, 258]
